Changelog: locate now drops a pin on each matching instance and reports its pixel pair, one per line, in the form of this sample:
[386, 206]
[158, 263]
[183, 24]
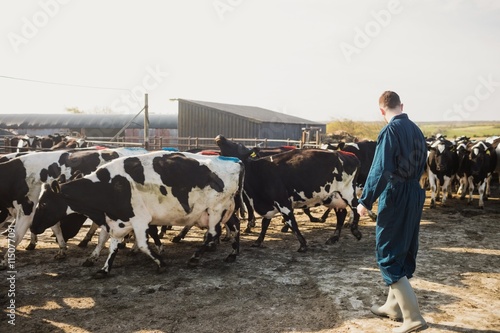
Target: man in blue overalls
[400, 159]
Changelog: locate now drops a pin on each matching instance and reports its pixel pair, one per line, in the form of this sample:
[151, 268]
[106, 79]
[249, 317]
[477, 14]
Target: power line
[62, 84]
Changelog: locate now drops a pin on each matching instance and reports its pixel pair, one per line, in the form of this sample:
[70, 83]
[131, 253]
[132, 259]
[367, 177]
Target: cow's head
[442, 152]
[50, 209]
[233, 149]
[480, 155]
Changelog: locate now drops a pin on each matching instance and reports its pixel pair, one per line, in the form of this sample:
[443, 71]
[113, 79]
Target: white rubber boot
[407, 300]
[390, 309]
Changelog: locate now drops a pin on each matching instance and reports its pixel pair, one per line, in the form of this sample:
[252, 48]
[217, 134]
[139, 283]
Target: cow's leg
[251, 215]
[61, 254]
[354, 225]
[153, 232]
[113, 250]
[182, 234]
[445, 187]
[433, 187]
[103, 238]
[481, 190]
[163, 231]
[33, 241]
[233, 226]
[211, 236]
[462, 190]
[487, 191]
[263, 230]
[287, 213]
[140, 232]
[471, 189]
[85, 241]
[307, 211]
[341, 215]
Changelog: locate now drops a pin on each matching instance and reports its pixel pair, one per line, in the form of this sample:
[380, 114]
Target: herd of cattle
[132, 191]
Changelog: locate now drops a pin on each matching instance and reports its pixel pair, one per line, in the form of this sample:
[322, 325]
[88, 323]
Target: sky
[321, 60]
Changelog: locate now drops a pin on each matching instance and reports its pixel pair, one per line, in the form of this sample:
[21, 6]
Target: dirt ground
[330, 288]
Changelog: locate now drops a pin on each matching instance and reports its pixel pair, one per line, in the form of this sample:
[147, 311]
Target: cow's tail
[239, 197]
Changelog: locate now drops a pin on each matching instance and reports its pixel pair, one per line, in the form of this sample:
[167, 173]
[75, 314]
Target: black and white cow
[365, 152]
[21, 180]
[442, 165]
[299, 178]
[483, 161]
[159, 188]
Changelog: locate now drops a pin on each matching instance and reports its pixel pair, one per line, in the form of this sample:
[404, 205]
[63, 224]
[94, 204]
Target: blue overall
[399, 161]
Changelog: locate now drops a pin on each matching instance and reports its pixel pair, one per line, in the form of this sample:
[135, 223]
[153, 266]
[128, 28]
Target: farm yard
[330, 288]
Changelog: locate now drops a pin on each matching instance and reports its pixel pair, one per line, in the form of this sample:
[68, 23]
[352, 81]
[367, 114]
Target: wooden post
[146, 123]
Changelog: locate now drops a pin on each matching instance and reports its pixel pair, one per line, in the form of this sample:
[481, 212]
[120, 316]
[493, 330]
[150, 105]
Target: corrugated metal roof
[15, 121]
[254, 113]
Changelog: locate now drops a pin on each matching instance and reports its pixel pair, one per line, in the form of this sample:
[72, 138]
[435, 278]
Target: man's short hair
[389, 99]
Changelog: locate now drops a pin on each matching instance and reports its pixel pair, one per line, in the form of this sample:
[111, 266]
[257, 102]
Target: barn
[208, 119]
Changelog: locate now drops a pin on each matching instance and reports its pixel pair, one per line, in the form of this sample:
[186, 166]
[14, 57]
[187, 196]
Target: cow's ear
[254, 152]
[56, 188]
[341, 145]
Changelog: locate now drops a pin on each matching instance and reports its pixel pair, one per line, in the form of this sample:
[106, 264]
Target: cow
[21, 179]
[158, 188]
[483, 162]
[28, 142]
[442, 165]
[70, 142]
[299, 178]
[48, 141]
[364, 151]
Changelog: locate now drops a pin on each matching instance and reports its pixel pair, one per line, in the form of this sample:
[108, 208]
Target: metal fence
[181, 143]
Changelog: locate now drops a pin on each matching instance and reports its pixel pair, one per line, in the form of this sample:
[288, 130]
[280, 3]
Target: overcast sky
[316, 59]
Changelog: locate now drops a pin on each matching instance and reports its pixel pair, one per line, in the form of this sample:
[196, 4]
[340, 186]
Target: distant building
[90, 125]
[208, 119]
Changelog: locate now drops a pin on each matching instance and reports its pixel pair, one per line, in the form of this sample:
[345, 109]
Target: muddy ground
[330, 288]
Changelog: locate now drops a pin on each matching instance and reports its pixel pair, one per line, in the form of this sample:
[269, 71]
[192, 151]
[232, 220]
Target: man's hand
[362, 211]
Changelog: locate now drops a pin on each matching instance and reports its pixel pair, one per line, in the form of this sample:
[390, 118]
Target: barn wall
[205, 122]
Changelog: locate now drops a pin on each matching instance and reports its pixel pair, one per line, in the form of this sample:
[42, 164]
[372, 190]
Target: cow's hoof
[176, 239]
[193, 262]
[316, 220]
[122, 246]
[88, 263]
[332, 240]
[357, 234]
[284, 229]
[230, 258]
[161, 269]
[481, 207]
[247, 230]
[60, 256]
[302, 249]
[211, 247]
[30, 247]
[100, 274]
[257, 244]
[83, 244]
